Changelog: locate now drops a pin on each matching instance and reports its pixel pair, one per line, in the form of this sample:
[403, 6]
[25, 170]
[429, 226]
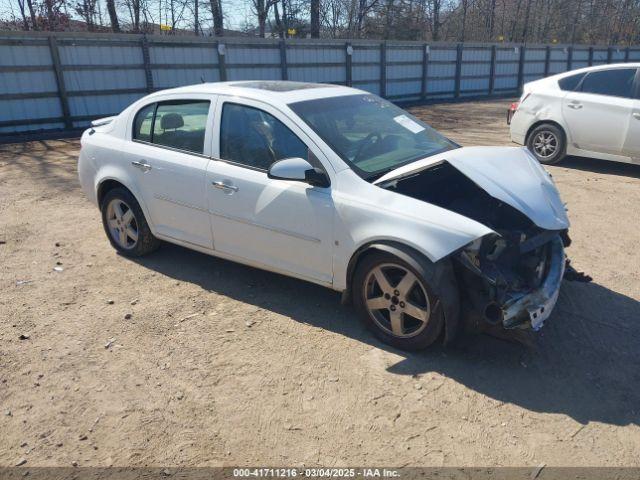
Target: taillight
[514, 106]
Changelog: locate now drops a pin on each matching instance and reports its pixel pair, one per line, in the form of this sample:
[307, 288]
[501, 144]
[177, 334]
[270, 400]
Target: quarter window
[571, 82]
[255, 138]
[615, 83]
[143, 123]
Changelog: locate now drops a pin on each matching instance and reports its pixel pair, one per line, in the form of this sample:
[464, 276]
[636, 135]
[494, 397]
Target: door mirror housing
[299, 170]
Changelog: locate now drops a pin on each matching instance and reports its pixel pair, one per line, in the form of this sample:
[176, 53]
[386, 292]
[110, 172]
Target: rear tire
[396, 302]
[125, 225]
[548, 143]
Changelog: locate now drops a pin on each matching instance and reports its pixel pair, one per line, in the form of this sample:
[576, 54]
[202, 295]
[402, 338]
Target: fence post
[626, 55]
[146, 58]
[348, 52]
[569, 58]
[590, 56]
[458, 69]
[222, 69]
[521, 67]
[383, 69]
[62, 91]
[609, 54]
[425, 71]
[283, 60]
[547, 61]
[492, 70]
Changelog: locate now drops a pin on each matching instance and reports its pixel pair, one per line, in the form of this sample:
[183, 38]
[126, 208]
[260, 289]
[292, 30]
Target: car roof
[271, 91]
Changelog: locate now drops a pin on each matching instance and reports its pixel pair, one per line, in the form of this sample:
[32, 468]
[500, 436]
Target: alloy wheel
[545, 144]
[122, 223]
[396, 300]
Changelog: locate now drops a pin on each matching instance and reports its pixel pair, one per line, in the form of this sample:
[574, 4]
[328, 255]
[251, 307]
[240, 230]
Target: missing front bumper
[532, 309]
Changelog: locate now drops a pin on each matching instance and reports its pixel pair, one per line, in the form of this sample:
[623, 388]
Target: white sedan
[591, 112]
[341, 188]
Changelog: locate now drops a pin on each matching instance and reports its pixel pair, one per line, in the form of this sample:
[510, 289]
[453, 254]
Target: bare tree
[315, 18]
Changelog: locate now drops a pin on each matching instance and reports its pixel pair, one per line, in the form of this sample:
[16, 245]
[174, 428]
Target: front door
[283, 225]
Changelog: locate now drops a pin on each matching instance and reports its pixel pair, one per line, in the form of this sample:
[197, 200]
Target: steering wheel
[366, 142]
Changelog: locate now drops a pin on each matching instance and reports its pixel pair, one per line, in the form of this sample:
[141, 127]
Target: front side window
[255, 138]
[615, 83]
[371, 135]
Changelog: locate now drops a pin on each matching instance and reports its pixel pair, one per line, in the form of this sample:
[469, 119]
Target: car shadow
[601, 166]
[584, 363]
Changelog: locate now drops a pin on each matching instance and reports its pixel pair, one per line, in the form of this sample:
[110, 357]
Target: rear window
[615, 83]
[571, 82]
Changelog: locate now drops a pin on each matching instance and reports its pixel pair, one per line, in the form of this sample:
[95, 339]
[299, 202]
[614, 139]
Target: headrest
[171, 121]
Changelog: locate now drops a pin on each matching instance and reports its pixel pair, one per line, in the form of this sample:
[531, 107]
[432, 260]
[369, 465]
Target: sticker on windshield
[409, 124]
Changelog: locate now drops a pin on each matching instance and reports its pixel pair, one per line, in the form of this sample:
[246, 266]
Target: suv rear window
[571, 82]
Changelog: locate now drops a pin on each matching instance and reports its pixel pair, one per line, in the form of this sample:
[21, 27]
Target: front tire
[125, 225]
[396, 302]
[548, 143]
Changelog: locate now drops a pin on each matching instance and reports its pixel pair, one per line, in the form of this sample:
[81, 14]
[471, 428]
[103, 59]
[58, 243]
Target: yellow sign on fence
[291, 31]
[165, 27]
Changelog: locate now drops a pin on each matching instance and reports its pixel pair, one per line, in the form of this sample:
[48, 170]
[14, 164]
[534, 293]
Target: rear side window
[571, 82]
[179, 124]
[615, 83]
[143, 123]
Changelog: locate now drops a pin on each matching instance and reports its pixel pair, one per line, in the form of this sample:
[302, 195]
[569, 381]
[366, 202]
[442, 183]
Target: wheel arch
[543, 122]
[109, 181]
[445, 284]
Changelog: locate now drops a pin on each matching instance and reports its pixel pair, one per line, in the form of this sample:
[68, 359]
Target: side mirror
[299, 170]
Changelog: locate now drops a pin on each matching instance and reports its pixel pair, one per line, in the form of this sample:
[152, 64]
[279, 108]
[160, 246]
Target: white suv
[338, 187]
[591, 112]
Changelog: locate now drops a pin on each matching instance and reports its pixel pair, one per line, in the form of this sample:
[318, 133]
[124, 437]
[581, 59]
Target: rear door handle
[575, 106]
[225, 186]
[145, 167]
[636, 115]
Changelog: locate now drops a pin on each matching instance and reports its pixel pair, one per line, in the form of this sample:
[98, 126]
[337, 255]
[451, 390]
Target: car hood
[509, 174]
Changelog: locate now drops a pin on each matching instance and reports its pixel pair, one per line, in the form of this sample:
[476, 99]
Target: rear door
[599, 111]
[168, 156]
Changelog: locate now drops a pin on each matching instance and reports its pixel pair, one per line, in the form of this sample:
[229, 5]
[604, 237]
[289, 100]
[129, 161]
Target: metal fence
[61, 81]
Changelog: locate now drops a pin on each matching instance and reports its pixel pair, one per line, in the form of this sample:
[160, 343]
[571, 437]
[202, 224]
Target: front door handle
[225, 186]
[145, 167]
[575, 106]
[636, 115]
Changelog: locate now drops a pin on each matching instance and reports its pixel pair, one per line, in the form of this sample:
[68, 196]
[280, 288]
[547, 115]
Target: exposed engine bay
[511, 277]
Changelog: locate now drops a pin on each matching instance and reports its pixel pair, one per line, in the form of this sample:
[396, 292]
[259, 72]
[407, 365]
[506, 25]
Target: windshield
[372, 135]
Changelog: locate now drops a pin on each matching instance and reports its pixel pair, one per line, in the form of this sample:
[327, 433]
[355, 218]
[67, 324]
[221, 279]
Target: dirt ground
[221, 364]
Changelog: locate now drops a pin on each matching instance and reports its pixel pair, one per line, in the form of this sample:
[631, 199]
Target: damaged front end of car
[510, 277]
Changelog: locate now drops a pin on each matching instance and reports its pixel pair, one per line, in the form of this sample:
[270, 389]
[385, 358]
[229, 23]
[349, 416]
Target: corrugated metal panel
[11, 55]
[171, 78]
[79, 80]
[170, 55]
[318, 74]
[100, 55]
[328, 54]
[252, 56]
[101, 104]
[25, 109]
[404, 71]
[28, 82]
